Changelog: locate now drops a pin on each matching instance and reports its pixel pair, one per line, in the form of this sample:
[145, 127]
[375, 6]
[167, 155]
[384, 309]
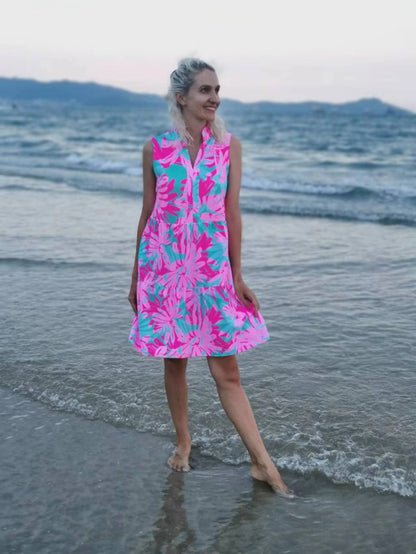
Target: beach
[72, 484]
[328, 249]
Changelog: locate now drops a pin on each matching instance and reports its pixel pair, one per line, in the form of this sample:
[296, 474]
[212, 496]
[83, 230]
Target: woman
[187, 290]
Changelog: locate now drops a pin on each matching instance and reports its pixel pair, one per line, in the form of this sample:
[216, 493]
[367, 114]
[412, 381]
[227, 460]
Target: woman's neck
[195, 128]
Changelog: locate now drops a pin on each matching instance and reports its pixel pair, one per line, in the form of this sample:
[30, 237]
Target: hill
[18, 90]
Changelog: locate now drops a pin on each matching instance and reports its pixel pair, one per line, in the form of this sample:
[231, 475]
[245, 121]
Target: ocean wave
[384, 215]
[337, 190]
[351, 149]
[352, 165]
[348, 463]
[44, 184]
[99, 139]
[347, 468]
[341, 466]
[103, 165]
[31, 262]
[314, 189]
[11, 140]
[333, 213]
[39, 184]
[22, 187]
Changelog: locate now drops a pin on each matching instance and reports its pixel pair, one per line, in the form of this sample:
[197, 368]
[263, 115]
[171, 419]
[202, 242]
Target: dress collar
[206, 133]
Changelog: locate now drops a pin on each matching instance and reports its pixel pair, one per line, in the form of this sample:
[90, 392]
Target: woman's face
[202, 100]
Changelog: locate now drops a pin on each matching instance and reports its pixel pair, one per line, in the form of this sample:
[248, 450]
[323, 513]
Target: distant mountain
[18, 90]
[365, 106]
[92, 94]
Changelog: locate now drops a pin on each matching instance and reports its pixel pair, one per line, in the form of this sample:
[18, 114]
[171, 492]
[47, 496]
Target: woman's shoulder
[230, 140]
[148, 145]
[221, 139]
[169, 135]
[159, 140]
[235, 144]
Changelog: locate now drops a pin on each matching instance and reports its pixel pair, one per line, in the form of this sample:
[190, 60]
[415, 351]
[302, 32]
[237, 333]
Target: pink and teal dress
[186, 302]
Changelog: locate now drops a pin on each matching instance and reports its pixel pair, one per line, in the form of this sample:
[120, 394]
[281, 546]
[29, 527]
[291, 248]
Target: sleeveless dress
[186, 302]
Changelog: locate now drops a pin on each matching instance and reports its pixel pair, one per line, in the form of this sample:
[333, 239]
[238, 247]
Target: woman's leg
[177, 393]
[226, 374]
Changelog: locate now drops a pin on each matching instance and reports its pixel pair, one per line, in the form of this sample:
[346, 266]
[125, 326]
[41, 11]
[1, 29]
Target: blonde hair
[181, 80]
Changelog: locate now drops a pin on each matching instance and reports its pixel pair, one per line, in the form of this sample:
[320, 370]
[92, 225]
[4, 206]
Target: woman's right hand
[132, 297]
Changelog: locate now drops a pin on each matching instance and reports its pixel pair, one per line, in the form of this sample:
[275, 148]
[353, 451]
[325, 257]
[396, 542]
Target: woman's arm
[234, 224]
[232, 209]
[149, 197]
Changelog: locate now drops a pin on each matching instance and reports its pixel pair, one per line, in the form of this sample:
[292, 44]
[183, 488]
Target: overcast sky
[285, 51]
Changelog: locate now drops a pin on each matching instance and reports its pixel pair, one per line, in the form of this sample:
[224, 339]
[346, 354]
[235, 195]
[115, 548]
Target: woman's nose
[215, 97]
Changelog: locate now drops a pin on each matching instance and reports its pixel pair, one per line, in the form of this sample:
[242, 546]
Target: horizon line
[224, 98]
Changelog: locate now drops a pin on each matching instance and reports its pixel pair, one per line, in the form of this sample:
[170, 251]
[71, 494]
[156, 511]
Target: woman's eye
[205, 89]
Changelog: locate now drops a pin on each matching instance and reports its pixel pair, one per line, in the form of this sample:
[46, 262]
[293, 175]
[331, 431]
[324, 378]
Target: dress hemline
[238, 350]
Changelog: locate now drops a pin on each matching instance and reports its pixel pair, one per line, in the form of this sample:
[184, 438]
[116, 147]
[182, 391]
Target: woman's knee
[224, 370]
[175, 364]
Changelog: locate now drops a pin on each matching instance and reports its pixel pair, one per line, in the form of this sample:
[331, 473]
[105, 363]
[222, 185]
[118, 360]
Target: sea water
[329, 248]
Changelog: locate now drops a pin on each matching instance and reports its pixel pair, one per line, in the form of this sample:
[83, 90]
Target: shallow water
[88, 486]
[333, 389]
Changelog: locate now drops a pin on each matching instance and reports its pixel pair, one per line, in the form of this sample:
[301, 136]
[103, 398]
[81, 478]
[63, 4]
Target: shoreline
[71, 483]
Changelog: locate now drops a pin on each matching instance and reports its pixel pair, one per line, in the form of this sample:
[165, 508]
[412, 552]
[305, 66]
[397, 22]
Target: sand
[71, 484]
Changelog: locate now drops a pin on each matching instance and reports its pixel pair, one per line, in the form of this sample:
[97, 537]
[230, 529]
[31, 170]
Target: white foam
[104, 165]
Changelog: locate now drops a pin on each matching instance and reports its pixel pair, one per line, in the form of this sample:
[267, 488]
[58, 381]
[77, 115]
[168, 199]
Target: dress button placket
[195, 192]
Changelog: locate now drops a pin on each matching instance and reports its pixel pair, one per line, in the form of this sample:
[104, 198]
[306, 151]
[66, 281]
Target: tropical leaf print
[186, 301]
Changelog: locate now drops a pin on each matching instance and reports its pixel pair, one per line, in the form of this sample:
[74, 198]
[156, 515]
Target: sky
[283, 51]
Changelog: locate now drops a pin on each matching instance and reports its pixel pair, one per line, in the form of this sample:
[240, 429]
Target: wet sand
[71, 484]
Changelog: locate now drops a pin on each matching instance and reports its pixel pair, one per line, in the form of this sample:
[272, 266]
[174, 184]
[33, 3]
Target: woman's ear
[180, 99]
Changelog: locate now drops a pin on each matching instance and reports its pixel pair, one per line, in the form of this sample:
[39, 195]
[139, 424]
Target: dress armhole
[154, 142]
[155, 151]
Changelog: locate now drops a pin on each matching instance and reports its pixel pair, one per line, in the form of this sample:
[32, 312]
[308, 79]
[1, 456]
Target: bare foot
[270, 474]
[179, 461]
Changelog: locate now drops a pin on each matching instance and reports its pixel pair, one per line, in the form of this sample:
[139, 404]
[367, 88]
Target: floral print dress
[186, 302]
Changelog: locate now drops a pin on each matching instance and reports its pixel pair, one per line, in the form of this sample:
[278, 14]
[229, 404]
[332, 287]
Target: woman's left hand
[246, 296]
